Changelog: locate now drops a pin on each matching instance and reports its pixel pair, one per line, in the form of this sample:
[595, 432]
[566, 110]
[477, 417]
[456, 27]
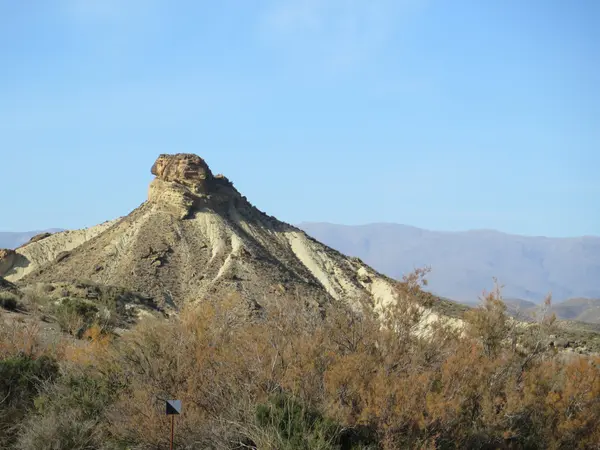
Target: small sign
[173, 407]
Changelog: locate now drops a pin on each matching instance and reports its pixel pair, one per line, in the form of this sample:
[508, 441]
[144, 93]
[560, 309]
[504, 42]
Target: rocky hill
[14, 239]
[197, 237]
[44, 248]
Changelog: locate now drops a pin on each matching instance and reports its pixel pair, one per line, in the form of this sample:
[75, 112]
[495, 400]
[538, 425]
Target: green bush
[75, 315]
[9, 301]
[292, 426]
[21, 380]
[295, 427]
[70, 414]
[21, 375]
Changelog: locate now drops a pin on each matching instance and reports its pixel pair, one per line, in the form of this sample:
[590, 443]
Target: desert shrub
[9, 301]
[116, 306]
[24, 338]
[75, 315]
[19, 375]
[286, 423]
[21, 379]
[71, 413]
[112, 299]
[66, 430]
[489, 323]
[287, 378]
[290, 425]
[35, 299]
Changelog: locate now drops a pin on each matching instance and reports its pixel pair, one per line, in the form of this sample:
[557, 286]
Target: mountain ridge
[471, 230]
[465, 262]
[14, 239]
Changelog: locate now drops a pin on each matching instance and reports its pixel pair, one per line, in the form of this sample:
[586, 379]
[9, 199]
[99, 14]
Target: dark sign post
[173, 408]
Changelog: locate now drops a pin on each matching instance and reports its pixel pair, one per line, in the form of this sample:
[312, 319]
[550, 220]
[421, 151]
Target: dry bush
[9, 301]
[20, 338]
[26, 363]
[285, 378]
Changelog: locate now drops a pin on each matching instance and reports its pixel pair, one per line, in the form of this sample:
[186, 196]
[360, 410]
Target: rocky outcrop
[185, 169]
[39, 237]
[15, 264]
[6, 286]
[8, 258]
[172, 197]
[184, 183]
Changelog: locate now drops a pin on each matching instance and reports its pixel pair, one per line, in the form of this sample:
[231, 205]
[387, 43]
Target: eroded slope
[197, 237]
[43, 249]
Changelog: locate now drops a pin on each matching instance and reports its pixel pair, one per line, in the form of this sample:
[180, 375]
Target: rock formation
[6, 286]
[15, 264]
[186, 169]
[8, 258]
[184, 183]
[39, 237]
[198, 238]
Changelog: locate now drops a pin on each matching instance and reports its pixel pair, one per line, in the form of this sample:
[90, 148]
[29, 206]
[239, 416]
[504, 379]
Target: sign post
[173, 408]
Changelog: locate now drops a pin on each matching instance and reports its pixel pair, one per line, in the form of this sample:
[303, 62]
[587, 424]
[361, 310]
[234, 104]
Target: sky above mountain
[443, 115]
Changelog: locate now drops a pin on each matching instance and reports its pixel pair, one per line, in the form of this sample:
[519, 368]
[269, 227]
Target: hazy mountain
[464, 263]
[574, 309]
[581, 309]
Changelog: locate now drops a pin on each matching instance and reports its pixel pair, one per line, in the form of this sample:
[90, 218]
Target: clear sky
[448, 115]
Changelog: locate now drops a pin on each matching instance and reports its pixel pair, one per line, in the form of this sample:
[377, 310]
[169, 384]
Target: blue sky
[448, 115]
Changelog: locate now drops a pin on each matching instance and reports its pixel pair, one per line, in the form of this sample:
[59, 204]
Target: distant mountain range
[573, 309]
[464, 263]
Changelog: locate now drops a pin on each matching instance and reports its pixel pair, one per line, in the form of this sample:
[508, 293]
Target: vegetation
[9, 301]
[75, 315]
[21, 378]
[286, 378]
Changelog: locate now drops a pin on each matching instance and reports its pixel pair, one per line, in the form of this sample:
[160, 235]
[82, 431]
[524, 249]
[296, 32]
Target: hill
[463, 263]
[197, 237]
[574, 309]
[14, 239]
[579, 309]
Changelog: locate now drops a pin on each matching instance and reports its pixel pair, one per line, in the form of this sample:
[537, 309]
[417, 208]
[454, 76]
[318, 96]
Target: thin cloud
[109, 11]
[337, 33]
